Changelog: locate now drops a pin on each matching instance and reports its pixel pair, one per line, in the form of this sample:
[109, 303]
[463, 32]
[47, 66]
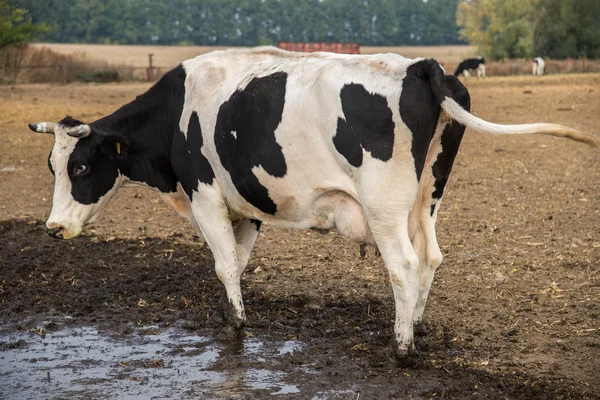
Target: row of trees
[247, 22]
[499, 28]
[16, 28]
[525, 28]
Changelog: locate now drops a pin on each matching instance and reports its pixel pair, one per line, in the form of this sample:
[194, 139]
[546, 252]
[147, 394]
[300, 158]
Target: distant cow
[538, 66]
[471, 64]
[361, 143]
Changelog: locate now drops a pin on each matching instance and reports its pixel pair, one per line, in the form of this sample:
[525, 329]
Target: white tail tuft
[464, 117]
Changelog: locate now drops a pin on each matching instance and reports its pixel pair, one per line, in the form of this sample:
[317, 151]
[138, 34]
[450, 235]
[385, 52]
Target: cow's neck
[149, 122]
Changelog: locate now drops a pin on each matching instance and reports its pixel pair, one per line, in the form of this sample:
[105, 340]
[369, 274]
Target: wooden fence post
[150, 70]
[63, 70]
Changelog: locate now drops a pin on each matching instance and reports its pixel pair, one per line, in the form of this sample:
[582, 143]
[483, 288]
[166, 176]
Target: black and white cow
[363, 144]
[477, 64]
[538, 65]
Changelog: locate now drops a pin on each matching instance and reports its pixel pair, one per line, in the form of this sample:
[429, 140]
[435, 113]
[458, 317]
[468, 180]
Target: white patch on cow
[234, 134]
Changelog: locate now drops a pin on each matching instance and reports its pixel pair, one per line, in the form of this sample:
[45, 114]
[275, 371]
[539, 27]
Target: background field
[170, 56]
[90, 62]
[514, 309]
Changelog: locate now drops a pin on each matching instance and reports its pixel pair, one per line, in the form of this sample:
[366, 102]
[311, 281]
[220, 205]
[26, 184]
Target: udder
[179, 202]
[341, 211]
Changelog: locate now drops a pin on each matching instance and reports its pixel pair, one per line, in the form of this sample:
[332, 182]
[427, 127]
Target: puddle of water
[336, 394]
[83, 362]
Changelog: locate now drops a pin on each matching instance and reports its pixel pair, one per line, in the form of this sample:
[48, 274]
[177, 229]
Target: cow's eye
[80, 169]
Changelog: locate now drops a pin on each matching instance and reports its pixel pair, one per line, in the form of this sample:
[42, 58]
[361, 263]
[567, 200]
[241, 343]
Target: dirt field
[513, 313]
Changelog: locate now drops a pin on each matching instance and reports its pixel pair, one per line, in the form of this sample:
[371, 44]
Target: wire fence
[61, 69]
[65, 73]
[31, 65]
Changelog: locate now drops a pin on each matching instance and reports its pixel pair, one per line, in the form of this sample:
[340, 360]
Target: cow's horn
[43, 127]
[81, 131]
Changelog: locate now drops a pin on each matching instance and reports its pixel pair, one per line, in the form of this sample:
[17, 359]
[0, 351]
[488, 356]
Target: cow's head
[85, 163]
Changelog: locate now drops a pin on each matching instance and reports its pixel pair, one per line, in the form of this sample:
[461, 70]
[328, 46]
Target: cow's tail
[444, 96]
[459, 114]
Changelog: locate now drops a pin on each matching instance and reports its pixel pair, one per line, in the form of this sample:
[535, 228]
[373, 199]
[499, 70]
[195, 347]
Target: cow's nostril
[56, 233]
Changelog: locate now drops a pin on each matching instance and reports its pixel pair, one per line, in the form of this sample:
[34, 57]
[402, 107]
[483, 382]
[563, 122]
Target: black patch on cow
[256, 223]
[451, 138]
[50, 163]
[469, 63]
[148, 125]
[367, 125]
[189, 164]
[245, 137]
[101, 174]
[150, 122]
[420, 107]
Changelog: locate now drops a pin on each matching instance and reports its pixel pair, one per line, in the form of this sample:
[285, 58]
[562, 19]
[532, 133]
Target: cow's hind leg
[424, 218]
[402, 264]
[387, 214]
[430, 257]
[245, 232]
[481, 71]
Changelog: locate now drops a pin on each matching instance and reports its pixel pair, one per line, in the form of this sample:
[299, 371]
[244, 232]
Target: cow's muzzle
[56, 233]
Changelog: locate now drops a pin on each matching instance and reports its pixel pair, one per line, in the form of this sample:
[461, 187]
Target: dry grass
[130, 62]
[170, 56]
[43, 64]
[164, 57]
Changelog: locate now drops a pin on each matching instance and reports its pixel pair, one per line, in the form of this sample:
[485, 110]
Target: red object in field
[307, 47]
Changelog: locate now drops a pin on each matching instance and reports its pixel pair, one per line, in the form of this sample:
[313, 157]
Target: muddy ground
[130, 308]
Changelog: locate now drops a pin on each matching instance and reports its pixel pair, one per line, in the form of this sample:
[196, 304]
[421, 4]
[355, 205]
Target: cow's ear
[115, 146]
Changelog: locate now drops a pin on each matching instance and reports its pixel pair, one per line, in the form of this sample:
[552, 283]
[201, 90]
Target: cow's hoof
[421, 341]
[420, 329]
[230, 333]
[231, 319]
[407, 358]
[236, 323]
[230, 315]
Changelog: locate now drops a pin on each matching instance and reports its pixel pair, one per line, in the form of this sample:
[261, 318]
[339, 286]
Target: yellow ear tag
[118, 148]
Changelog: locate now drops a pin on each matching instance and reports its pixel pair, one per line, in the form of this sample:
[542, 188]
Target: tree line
[525, 28]
[246, 22]
[499, 28]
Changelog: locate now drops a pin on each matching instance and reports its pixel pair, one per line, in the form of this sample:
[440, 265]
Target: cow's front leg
[211, 219]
